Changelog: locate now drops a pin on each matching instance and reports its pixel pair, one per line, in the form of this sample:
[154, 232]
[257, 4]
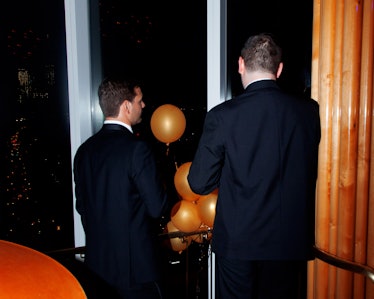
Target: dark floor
[185, 274]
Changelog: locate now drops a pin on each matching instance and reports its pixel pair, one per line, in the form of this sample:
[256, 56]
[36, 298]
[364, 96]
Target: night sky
[165, 45]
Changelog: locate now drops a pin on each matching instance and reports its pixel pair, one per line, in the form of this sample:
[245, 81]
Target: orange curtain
[342, 83]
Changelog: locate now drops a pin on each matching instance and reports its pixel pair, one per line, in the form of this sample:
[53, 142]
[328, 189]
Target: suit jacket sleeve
[209, 155]
[148, 180]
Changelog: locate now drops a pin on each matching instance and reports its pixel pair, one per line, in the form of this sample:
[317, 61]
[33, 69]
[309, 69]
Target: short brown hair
[112, 93]
[262, 53]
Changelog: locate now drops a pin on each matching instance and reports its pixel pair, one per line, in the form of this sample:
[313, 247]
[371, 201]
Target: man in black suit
[261, 150]
[120, 195]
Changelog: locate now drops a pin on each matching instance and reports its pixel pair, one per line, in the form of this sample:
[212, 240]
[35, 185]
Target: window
[35, 176]
[289, 21]
[164, 46]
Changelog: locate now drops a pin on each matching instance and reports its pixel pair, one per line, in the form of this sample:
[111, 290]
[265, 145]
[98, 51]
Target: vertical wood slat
[336, 125]
[367, 89]
[350, 58]
[370, 248]
[314, 88]
[342, 83]
[364, 142]
[321, 64]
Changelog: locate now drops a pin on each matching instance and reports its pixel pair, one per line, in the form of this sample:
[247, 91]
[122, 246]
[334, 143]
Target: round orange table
[27, 273]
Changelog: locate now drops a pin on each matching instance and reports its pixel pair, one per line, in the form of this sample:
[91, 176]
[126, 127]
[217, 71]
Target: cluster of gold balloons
[193, 215]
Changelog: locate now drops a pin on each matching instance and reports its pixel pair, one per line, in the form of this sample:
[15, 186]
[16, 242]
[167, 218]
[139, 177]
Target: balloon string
[167, 155]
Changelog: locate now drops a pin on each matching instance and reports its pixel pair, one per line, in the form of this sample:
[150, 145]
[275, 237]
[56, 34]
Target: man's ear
[124, 108]
[241, 66]
[280, 69]
[125, 105]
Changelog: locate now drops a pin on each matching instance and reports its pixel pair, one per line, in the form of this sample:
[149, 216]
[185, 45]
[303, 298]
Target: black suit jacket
[119, 194]
[261, 150]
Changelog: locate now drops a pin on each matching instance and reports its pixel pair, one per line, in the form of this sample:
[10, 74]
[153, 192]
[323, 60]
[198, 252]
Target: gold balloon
[181, 183]
[168, 123]
[177, 244]
[206, 206]
[185, 216]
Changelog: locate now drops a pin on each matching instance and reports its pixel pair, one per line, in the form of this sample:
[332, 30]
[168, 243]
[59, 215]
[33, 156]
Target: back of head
[112, 93]
[262, 53]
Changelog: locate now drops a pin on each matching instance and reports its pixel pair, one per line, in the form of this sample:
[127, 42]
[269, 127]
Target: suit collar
[115, 127]
[117, 122]
[259, 84]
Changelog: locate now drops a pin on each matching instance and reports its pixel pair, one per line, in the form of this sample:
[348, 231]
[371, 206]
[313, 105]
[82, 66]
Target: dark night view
[164, 46]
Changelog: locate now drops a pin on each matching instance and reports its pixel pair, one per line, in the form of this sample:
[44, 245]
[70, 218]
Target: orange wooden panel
[26, 273]
[342, 83]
